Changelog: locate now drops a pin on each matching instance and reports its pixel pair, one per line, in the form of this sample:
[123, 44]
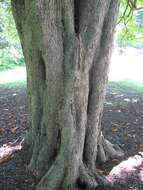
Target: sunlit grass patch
[13, 76]
[127, 85]
[13, 85]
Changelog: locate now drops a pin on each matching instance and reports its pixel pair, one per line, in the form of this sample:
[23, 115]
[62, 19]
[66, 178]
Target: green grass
[17, 79]
[129, 86]
[12, 85]
[9, 60]
[13, 76]
[7, 67]
[13, 79]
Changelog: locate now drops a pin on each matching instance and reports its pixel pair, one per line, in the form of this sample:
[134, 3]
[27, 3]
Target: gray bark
[67, 62]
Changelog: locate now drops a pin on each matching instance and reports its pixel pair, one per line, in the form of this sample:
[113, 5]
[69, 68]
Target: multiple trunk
[67, 47]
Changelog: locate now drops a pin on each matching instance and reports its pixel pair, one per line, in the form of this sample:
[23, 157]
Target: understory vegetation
[10, 49]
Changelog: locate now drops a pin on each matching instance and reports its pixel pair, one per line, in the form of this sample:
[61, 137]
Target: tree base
[88, 180]
[85, 178]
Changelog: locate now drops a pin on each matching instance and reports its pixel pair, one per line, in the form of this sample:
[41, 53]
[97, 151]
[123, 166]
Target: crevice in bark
[42, 68]
[56, 150]
[76, 15]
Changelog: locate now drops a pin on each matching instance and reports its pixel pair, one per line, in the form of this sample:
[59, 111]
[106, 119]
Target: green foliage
[7, 25]
[10, 50]
[10, 58]
[130, 25]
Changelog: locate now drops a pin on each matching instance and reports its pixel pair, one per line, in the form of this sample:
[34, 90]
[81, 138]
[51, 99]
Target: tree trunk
[67, 47]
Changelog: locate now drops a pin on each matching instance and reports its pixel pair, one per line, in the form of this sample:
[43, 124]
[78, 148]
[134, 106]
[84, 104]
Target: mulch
[14, 122]
[122, 124]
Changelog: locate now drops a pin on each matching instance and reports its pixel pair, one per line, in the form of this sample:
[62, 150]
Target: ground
[122, 124]
[14, 122]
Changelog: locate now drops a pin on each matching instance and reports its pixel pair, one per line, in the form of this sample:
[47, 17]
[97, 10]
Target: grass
[17, 85]
[13, 76]
[16, 78]
[127, 85]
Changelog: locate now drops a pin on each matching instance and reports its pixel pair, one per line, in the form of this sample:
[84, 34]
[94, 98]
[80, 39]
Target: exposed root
[54, 177]
[107, 150]
[7, 150]
[91, 179]
[87, 177]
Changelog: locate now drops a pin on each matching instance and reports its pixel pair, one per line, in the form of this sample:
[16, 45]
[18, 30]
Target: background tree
[10, 48]
[67, 48]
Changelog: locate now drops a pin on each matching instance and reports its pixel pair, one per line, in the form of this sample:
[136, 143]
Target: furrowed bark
[98, 82]
[66, 46]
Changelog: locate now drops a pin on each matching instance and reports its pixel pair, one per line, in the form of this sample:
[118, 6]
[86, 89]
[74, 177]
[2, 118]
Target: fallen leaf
[127, 100]
[114, 129]
[13, 130]
[115, 124]
[1, 130]
[115, 161]
[141, 147]
[35, 172]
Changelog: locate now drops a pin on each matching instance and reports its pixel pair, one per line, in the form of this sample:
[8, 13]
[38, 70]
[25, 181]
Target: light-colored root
[107, 150]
